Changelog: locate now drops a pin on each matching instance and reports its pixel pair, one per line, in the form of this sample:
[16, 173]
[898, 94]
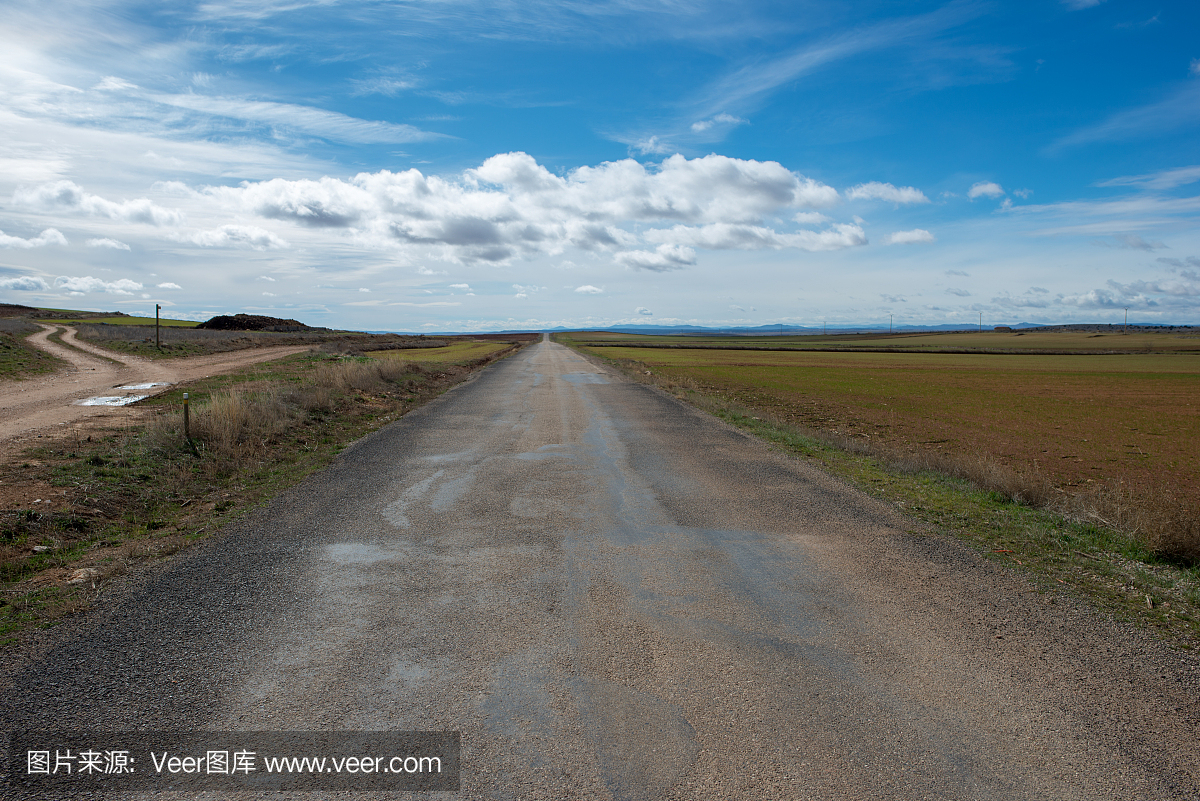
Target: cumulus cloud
[107, 242]
[874, 190]
[913, 237]
[810, 217]
[246, 236]
[588, 289]
[985, 189]
[726, 236]
[87, 285]
[511, 206]
[662, 259]
[643, 311]
[168, 285]
[69, 196]
[25, 283]
[466, 287]
[50, 236]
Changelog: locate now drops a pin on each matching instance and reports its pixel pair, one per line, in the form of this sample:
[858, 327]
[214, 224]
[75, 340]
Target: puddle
[111, 400]
[150, 385]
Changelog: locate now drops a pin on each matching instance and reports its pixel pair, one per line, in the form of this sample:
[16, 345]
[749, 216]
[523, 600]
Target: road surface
[45, 401]
[613, 596]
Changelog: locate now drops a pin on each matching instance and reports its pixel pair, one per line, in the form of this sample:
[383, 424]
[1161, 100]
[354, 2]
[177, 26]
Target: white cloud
[25, 283]
[268, 294]
[662, 259]
[168, 285]
[363, 289]
[958, 272]
[809, 217]
[50, 236]
[266, 278]
[985, 189]
[874, 190]
[1194, 67]
[234, 236]
[107, 243]
[88, 285]
[721, 119]
[381, 86]
[1078, 5]
[913, 237]
[511, 206]
[726, 236]
[588, 289]
[962, 293]
[643, 311]
[466, 287]
[1164, 179]
[69, 196]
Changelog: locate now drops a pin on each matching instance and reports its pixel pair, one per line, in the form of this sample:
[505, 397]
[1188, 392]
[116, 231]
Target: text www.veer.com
[354, 765]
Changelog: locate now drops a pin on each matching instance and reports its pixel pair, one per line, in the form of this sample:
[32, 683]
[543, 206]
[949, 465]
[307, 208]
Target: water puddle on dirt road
[122, 400]
[111, 400]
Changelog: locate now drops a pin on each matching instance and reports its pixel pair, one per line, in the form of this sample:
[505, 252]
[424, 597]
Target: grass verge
[19, 359]
[115, 501]
[1059, 541]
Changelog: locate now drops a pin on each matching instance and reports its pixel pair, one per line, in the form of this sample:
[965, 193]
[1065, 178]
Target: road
[613, 596]
[46, 401]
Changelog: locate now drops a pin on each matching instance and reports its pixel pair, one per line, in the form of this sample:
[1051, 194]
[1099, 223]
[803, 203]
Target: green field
[69, 320]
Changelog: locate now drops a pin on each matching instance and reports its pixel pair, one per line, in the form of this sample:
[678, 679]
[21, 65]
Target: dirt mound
[15, 310]
[252, 322]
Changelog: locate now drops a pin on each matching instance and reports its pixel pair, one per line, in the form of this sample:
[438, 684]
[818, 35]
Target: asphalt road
[613, 596]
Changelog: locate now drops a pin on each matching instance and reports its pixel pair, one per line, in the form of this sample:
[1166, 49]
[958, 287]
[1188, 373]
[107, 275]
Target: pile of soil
[252, 322]
[16, 310]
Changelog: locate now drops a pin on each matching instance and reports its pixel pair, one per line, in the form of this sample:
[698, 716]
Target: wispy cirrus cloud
[1179, 109]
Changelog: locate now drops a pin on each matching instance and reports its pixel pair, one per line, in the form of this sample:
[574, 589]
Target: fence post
[186, 433]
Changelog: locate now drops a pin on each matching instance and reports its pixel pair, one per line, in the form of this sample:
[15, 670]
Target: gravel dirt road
[613, 596]
[45, 402]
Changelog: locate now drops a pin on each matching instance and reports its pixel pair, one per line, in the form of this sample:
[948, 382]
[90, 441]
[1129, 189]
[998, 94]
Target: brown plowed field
[1080, 419]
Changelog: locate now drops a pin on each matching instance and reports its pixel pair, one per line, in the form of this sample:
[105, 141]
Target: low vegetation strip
[457, 353]
[19, 359]
[1133, 552]
[82, 511]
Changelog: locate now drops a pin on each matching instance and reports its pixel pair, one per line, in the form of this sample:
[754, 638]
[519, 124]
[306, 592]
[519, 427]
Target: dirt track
[613, 596]
[44, 403]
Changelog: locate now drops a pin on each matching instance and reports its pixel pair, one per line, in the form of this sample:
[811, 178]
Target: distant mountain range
[795, 330]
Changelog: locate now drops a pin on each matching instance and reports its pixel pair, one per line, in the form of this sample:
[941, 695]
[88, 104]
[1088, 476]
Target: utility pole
[1126, 331]
[157, 341]
[981, 322]
[890, 323]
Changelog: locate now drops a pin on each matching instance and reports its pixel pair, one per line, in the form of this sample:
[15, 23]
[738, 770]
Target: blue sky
[454, 165]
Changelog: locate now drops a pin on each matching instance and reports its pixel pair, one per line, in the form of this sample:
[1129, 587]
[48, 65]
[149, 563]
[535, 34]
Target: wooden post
[186, 433]
[157, 341]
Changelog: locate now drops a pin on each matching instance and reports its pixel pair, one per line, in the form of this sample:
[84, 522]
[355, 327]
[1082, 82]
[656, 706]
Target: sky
[452, 165]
